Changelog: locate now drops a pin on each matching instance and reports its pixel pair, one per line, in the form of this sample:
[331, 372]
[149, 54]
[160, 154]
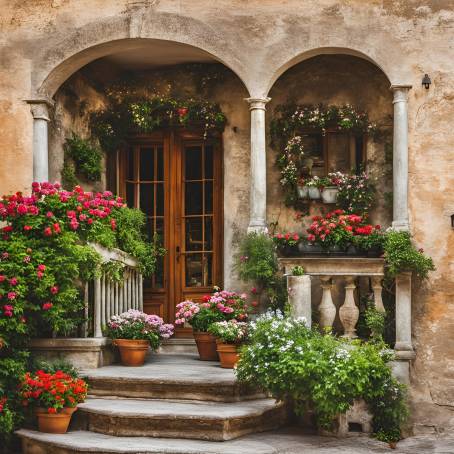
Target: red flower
[27, 227]
[54, 290]
[47, 231]
[2, 277]
[182, 111]
[52, 410]
[7, 228]
[13, 281]
[47, 306]
[41, 267]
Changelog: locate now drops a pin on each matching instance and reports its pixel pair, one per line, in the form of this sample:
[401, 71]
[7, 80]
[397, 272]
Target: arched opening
[320, 82]
[178, 119]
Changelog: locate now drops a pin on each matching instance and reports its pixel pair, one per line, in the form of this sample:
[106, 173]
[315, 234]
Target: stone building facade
[56, 54]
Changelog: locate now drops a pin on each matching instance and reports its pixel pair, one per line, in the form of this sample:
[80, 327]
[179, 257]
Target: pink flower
[2, 277]
[40, 274]
[54, 290]
[13, 281]
[47, 306]
[41, 267]
[27, 227]
[12, 295]
[22, 209]
[47, 231]
[49, 214]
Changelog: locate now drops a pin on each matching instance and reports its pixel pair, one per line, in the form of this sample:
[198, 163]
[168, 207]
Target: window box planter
[329, 194]
[288, 251]
[303, 192]
[314, 193]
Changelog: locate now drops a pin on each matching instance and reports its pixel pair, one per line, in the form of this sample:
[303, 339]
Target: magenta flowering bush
[221, 305]
[135, 324]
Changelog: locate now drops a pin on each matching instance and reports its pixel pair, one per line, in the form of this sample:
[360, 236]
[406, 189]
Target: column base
[257, 227]
[401, 226]
[404, 352]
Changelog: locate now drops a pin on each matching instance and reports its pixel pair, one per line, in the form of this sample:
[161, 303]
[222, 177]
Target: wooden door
[175, 178]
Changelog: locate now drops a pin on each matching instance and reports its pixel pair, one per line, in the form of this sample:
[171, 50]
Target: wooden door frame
[173, 141]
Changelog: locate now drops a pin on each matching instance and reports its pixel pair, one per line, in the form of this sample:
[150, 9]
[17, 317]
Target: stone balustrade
[349, 272]
[106, 298]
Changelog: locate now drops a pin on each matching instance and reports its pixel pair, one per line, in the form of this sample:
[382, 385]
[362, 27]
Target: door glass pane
[194, 234]
[193, 163]
[130, 194]
[147, 198]
[147, 164]
[208, 246]
[159, 199]
[208, 162]
[313, 160]
[130, 165]
[160, 164]
[194, 198]
[194, 270]
[208, 197]
[208, 270]
[338, 152]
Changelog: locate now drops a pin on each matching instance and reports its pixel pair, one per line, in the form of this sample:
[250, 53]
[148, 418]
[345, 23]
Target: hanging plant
[286, 127]
[144, 115]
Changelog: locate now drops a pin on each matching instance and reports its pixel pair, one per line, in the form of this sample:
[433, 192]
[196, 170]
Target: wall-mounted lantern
[452, 221]
[426, 81]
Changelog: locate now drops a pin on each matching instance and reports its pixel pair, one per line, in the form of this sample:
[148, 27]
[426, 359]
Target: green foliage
[205, 318]
[297, 271]
[51, 367]
[401, 255]
[290, 361]
[229, 332]
[375, 321]
[86, 157]
[68, 175]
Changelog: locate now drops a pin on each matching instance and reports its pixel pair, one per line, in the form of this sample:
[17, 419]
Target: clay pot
[206, 345]
[228, 355]
[132, 351]
[54, 423]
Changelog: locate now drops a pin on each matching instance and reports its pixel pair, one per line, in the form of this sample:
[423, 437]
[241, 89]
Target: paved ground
[287, 441]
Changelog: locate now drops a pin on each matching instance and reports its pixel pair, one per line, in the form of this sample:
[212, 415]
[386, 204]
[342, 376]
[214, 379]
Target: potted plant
[370, 240]
[221, 305]
[286, 243]
[330, 190]
[314, 185]
[54, 398]
[134, 332]
[229, 337]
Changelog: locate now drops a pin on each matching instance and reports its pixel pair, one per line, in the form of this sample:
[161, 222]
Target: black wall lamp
[452, 221]
[426, 81]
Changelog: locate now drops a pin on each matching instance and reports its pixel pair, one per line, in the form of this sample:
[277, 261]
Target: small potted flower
[54, 398]
[330, 190]
[313, 186]
[221, 305]
[286, 243]
[134, 332]
[369, 239]
[229, 337]
[302, 189]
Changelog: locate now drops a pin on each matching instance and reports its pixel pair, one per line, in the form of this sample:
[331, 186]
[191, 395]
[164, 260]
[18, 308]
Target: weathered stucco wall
[43, 42]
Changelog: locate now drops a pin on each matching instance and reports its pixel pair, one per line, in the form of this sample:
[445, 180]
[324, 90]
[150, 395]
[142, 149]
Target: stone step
[178, 346]
[212, 421]
[169, 377]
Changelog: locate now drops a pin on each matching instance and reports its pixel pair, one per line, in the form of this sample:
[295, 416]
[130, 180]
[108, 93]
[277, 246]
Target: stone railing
[328, 273]
[104, 298]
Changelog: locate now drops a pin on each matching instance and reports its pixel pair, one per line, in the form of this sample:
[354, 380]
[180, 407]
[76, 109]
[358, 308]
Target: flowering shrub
[52, 391]
[338, 229]
[135, 324]
[6, 417]
[221, 305]
[320, 372]
[229, 332]
[286, 239]
[356, 192]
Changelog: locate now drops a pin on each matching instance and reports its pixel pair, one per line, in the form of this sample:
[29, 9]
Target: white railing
[106, 297]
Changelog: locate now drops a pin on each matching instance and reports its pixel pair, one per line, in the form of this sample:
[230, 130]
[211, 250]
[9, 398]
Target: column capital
[257, 103]
[400, 92]
[40, 108]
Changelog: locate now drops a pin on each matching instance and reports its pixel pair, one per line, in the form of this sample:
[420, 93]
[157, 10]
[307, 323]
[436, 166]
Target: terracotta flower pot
[206, 345]
[228, 355]
[54, 423]
[132, 351]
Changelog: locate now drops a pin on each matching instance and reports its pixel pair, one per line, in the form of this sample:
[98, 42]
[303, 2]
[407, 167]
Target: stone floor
[286, 441]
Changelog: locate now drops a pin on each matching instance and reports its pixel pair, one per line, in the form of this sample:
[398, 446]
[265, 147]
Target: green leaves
[319, 371]
[86, 157]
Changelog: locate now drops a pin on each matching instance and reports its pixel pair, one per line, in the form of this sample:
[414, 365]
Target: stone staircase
[173, 404]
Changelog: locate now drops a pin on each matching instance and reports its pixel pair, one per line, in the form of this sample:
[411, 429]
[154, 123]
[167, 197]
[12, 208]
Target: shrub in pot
[221, 305]
[229, 337]
[54, 398]
[286, 243]
[134, 332]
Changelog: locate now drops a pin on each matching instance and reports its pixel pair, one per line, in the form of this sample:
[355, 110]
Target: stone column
[400, 157]
[299, 297]
[257, 216]
[403, 346]
[40, 112]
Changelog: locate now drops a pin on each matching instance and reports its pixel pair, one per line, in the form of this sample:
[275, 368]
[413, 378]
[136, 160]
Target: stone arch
[59, 61]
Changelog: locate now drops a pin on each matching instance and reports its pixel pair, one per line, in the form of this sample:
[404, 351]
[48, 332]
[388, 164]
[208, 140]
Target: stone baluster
[140, 292]
[116, 309]
[403, 346]
[326, 308]
[377, 289]
[299, 297]
[349, 312]
[257, 196]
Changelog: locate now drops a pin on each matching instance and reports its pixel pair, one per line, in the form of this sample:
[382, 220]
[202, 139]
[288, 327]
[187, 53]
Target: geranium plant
[137, 325]
[221, 305]
[230, 332]
[52, 391]
[286, 242]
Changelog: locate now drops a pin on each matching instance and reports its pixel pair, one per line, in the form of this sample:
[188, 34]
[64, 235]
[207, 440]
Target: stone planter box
[82, 353]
